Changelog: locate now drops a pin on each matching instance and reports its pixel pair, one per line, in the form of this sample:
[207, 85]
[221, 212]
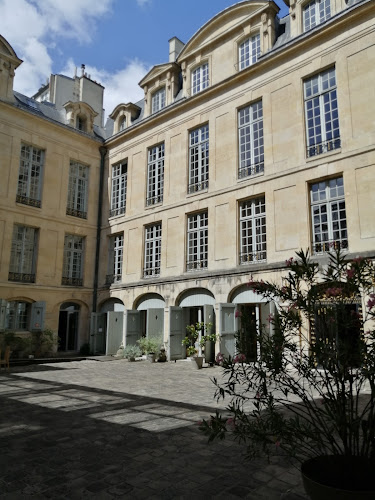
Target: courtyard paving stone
[89, 429]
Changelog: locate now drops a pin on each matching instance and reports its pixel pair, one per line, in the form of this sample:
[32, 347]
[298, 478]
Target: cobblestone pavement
[114, 429]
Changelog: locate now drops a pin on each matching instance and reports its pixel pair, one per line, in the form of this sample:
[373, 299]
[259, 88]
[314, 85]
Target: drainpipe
[103, 152]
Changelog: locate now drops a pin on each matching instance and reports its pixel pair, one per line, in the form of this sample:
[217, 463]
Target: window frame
[77, 190]
[152, 250]
[119, 184]
[28, 191]
[319, 122]
[72, 276]
[155, 174]
[316, 13]
[249, 235]
[200, 78]
[198, 159]
[115, 258]
[250, 140]
[158, 100]
[22, 264]
[18, 320]
[197, 241]
[332, 215]
[244, 58]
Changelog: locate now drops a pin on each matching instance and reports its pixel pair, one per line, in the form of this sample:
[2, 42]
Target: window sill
[249, 177]
[323, 155]
[148, 207]
[196, 193]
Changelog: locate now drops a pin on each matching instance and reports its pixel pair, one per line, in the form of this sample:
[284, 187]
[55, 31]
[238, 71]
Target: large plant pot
[209, 351]
[339, 477]
[151, 357]
[197, 362]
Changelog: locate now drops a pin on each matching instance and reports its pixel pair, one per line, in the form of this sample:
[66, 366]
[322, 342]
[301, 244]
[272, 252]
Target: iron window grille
[152, 251]
[116, 254]
[158, 100]
[316, 12]
[77, 190]
[249, 51]
[253, 243]
[155, 175]
[197, 242]
[30, 176]
[321, 113]
[73, 260]
[199, 79]
[328, 215]
[198, 159]
[119, 189]
[23, 254]
[250, 133]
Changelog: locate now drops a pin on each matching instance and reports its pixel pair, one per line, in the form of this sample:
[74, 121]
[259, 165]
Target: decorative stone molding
[80, 115]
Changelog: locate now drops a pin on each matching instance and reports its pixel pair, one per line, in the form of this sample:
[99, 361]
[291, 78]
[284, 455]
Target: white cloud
[34, 26]
[120, 87]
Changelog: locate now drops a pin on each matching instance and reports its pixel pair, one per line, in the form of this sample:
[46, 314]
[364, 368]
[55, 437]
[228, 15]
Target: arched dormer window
[249, 51]
[315, 12]
[122, 123]
[81, 123]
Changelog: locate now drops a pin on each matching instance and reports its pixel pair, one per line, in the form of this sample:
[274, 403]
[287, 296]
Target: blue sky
[117, 40]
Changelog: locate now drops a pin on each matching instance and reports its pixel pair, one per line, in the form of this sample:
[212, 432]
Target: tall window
[155, 175]
[321, 111]
[152, 251]
[30, 176]
[253, 245]
[118, 191]
[122, 124]
[158, 100]
[116, 253]
[198, 159]
[199, 79]
[316, 12]
[77, 190]
[73, 260]
[23, 254]
[250, 133]
[197, 242]
[249, 51]
[328, 215]
[17, 315]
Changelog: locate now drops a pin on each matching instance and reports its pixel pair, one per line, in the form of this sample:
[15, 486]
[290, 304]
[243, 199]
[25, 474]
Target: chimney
[83, 69]
[175, 47]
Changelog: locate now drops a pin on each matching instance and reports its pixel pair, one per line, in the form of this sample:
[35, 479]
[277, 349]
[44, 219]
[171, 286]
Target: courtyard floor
[113, 429]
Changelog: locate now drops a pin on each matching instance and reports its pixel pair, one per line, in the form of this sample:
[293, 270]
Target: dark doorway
[68, 326]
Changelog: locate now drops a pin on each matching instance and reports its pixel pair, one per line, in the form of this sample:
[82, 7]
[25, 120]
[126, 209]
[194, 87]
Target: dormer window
[316, 12]
[122, 124]
[249, 51]
[199, 79]
[158, 100]
[81, 123]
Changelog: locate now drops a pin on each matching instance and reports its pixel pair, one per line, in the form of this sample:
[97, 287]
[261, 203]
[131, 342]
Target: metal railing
[21, 277]
[71, 281]
[252, 257]
[248, 170]
[28, 201]
[326, 246]
[197, 186]
[76, 213]
[196, 265]
[323, 147]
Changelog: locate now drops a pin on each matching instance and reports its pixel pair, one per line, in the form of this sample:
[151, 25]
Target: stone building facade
[254, 140]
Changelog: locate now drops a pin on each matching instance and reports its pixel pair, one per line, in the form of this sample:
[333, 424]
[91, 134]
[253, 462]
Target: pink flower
[270, 318]
[371, 301]
[350, 273]
[239, 358]
[219, 358]
[289, 262]
[257, 395]
[231, 422]
[333, 292]
[199, 422]
[238, 313]
[358, 260]
[277, 444]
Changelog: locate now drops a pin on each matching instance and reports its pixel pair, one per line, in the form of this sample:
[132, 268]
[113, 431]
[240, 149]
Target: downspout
[103, 152]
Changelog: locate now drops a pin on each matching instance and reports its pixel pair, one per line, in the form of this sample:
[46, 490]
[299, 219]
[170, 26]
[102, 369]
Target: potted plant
[208, 341]
[150, 346]
[311, 395]
[194, 341]
[131, 352]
